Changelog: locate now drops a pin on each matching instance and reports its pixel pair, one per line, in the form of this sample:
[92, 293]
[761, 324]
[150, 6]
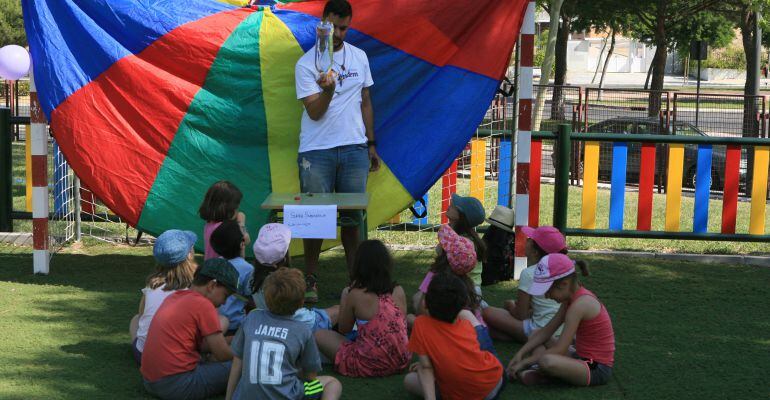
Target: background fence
[483, 168]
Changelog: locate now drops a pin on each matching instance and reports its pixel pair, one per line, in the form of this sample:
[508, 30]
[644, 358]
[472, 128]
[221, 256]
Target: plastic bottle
[324, 47]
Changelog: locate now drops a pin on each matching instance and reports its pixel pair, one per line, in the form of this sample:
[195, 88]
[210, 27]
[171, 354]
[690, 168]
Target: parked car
[654, 126]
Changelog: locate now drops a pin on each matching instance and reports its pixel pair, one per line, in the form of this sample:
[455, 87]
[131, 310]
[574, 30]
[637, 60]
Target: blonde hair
[175, 277]
[284, 291]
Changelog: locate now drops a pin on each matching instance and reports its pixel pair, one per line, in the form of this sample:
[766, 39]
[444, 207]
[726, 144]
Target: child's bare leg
[410, 321]
[329, 342]
[133, 326]
[417, 305]
[503, 325]
[333, 312]
[565, 368]
[332, 388]
[412, 384]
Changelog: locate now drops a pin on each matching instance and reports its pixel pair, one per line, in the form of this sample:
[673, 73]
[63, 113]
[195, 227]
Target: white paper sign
[311, 222]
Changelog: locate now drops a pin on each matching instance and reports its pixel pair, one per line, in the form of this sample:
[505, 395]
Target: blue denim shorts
[342, 169]
[206, 380]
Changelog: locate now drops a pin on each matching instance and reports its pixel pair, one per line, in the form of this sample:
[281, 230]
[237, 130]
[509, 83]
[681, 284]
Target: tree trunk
[659, 61]
[607, 62]
[599, 61]
[545, 72]
[649, 73]
[750, 123]
[560, 73]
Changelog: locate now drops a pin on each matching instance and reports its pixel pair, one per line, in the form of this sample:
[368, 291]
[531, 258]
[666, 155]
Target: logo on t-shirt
[345, 75]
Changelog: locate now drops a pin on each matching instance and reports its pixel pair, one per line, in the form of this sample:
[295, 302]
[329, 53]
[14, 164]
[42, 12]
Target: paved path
[17, 239]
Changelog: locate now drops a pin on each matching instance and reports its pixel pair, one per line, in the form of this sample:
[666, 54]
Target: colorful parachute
[152, 101]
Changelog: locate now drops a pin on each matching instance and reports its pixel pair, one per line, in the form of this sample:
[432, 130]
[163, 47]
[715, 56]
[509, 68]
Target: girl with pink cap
[584, 317]
[519, 319]
[457, 254]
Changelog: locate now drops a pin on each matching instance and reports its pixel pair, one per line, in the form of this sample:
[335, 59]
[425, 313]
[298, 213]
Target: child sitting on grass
[584, 317]
[376, 306]
[519, 319]
[271, 250]
[276, 356]
[464, 215]
[228, 241]
[185, 326]
[456, 358]
[173, 252]
[456, 254]
[220, 204]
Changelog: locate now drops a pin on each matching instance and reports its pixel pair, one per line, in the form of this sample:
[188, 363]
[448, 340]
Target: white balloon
[14, 62]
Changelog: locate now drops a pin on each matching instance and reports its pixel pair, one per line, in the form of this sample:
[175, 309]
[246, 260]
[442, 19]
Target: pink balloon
[14, 62]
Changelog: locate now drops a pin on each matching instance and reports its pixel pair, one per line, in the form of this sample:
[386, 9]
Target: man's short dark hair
[446, 296]
[340, 8]
[226, 239]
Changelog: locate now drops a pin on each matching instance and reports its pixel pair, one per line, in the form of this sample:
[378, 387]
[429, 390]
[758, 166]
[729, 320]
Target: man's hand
[328, 82]
[374, 160]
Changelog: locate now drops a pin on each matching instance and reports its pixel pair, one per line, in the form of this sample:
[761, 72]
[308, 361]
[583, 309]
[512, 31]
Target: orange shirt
[463, 371]
[176, 332]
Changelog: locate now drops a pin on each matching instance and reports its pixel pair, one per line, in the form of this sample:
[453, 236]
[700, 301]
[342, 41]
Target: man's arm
[317, 104]
[367, 113]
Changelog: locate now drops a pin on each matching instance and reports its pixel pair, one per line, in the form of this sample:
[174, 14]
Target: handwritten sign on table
[311, 222]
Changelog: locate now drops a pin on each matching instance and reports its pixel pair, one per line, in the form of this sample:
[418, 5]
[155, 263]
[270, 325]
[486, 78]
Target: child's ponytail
[583, 266]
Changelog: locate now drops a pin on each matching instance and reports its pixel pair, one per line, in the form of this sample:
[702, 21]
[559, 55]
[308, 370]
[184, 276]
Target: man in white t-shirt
[336, 143]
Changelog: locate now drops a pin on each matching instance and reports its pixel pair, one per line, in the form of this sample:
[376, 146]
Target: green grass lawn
[683, 330]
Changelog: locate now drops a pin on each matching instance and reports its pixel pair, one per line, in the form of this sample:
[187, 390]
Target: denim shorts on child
[206, 380]
[342, 169]
[137, 354]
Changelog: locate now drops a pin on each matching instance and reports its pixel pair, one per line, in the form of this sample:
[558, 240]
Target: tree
[602, 16]
[654, 22]
[11, 24]
[545, 71]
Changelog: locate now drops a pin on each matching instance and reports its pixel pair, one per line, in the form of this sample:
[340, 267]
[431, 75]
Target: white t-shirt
[153, 298]
[543, 309]
[342, 124]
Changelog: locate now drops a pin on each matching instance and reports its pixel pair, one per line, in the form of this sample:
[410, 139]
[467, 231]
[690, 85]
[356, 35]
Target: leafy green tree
[11, 23]
[655, 22]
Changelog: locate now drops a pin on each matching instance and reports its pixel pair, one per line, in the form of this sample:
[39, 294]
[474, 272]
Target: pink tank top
[208, 229]
[595, 339]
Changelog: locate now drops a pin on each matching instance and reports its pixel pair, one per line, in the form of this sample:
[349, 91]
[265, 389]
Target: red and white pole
[39, 152]
[524, 135]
